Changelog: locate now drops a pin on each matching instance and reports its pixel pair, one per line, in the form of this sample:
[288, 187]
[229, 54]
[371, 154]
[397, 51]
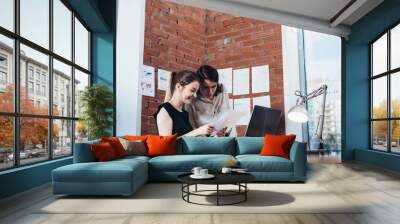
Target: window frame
[388, 74]
[16, 114]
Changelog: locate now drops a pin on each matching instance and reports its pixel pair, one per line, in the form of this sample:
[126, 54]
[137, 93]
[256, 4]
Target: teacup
[196, 170]
[203, 172]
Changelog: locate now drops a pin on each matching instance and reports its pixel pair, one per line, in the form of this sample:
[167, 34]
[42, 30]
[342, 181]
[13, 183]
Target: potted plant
[96, 102]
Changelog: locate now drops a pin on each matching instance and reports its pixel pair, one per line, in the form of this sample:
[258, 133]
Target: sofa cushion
[103, 152]
[185, 163]
[277, 145]
[161, 145]
[111, 171]
[116, 145]
[134, 147]
[206, 145]
[249, 145]
[83, 152]
[131, 158]
[257, 163]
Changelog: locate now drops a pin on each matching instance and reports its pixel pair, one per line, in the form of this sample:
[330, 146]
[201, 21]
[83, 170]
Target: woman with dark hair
[171, 116]
[212, 100]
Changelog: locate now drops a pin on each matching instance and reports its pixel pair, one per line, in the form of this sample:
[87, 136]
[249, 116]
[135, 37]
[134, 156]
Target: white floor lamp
[299, 113]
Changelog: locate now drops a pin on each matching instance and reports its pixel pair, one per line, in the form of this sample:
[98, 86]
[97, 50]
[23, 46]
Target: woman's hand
[206, 129]
[222, 132]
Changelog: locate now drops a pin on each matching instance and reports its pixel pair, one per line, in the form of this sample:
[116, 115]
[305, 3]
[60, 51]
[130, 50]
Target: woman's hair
[207, 72]
[184, 78]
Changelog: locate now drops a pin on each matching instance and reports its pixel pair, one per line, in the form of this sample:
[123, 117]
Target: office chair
[263, 121]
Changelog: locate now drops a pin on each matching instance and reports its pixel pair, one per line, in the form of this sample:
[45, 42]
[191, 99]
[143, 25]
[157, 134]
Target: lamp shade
[298, 114]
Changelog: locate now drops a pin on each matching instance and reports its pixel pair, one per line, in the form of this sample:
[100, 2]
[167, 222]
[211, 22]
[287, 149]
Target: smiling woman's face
[208, 89]
[188, 92]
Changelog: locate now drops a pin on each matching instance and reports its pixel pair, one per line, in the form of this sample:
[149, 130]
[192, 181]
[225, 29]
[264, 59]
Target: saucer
[208, 176]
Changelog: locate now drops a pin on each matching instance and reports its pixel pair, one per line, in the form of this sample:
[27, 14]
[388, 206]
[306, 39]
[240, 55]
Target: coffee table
[238, 179]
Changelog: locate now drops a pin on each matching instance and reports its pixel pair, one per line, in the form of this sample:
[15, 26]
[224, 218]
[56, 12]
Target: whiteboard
[241, 81]
[260, 79]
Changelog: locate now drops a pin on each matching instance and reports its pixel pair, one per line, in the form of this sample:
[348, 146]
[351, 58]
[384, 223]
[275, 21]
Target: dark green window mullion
[389, 101]
[371, 89]
[73, 83]
[16, 84]
[50, 88]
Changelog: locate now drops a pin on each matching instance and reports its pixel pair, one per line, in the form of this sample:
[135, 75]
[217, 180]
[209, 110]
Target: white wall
[291, 77]
[129, 61]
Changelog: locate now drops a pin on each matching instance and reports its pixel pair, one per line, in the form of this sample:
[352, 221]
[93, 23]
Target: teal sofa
[125, 176]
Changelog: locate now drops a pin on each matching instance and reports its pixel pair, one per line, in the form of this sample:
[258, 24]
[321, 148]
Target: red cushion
[116, 145]
[161, 145]
[135, 137]
[277, 145]
[103, 152]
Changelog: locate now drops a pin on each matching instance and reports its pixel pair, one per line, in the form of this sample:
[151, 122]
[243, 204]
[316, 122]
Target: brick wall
[242, 43]
[174, 40]
[181, 37]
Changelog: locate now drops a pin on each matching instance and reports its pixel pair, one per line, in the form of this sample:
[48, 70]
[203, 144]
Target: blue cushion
[206, 145]
[133, 158]
[249, 145]
[83, 152]
[185, 163]
[257, 163]
[111, 171]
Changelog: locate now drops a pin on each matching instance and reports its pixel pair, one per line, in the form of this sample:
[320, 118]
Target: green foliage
[380, 127]
[96, 102]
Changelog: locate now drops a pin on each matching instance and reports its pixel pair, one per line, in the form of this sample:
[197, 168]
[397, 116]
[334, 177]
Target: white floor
[377, 189]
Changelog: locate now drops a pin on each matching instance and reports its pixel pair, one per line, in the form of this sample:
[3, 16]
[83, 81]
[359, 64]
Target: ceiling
[326, 16]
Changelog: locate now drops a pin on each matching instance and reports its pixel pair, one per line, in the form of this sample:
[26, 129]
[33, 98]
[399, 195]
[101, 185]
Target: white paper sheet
[231, 103]
[162, 80]
[243, 105]
[225, 77]
[147, 81]
[228, 119]
[241, 81]
[260, 79]
[264, 101]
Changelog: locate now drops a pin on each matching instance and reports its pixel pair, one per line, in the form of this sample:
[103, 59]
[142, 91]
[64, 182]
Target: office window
[379, 56]
[62, 74]
[6, 142]
[35, 21]
[81, 45]
[7, 14]
[62, 29]
[395, 47]
[35, 141]
[40, 62]
[3, 72]
[385, 96]
[6, 71]
[81, 81]
[62, 137]
[322, 68]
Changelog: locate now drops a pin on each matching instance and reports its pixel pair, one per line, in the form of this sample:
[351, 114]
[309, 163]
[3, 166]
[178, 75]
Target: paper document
[228, 119]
